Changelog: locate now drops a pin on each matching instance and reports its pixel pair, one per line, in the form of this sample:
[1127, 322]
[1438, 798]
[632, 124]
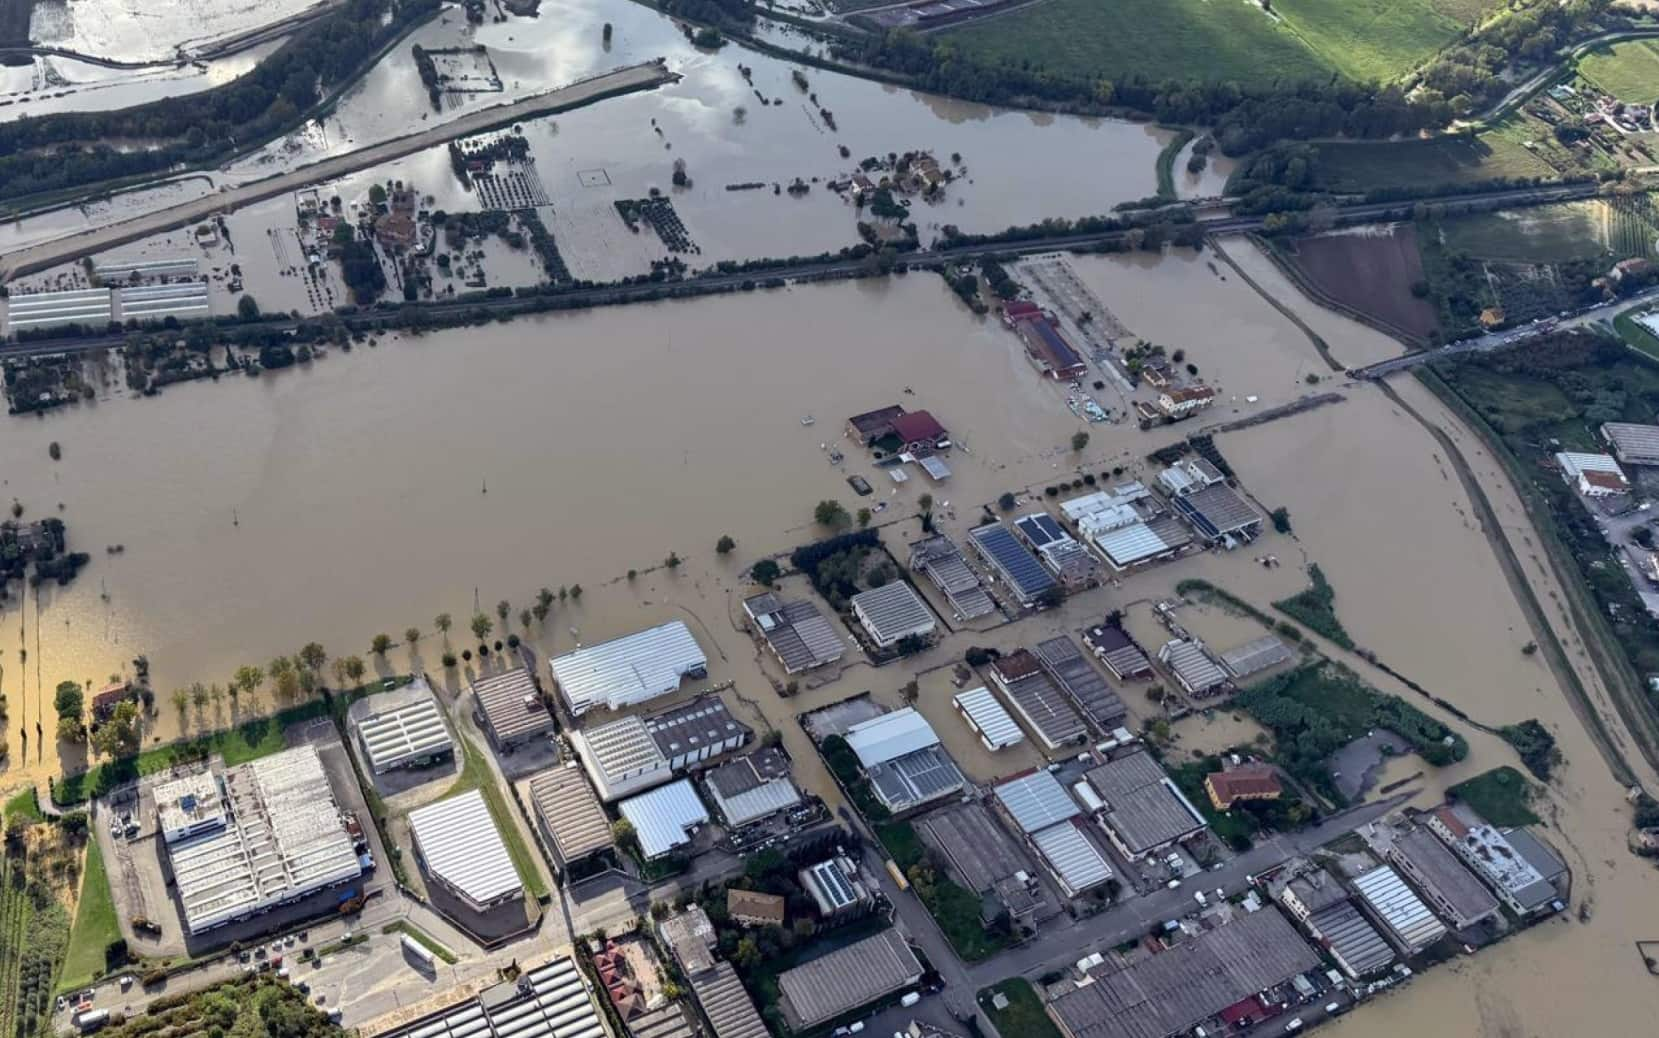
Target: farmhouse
[1249, 782]
[1184, 401]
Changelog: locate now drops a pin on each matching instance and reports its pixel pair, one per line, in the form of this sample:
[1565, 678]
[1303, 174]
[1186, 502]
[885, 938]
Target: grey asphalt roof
[1078, 678]
[1218, 510]
[1432, 864]
[1142, 804]
[942, 562]
[512, 704]
[797, 631]
[1352, 937]
[751, 787]
[1037, 699]
[1633, 443]
[667, 1021]
[1174, 991]
[703, 722]
[571, 812]
[730, 1011]
[846, 978]
[893, 608]
[979, 849]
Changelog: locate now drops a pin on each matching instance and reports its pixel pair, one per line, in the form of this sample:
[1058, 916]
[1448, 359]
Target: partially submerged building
[1255, 656]
[1176, 990]
[799, 635]
[1082, 684]
[1219, 514]
[1045, 347]
[666, 818]
[1038, 700]
[1118, 652]
[846, 979]
[510, 708]
[572, 821]
[407, 732]
[893, 612]
[1070, 563]
[752, 787]
[460, 849]
[1593, 475]
[940, 560]
[987, 718]
[1141, 808]
[1397, 907]
[1193, 669]
[629, 670]
[1189, 475]
[1450, 888]
[271, 834]
[634, 753]
[1026, 579]
[1511, 876]
[903, 759]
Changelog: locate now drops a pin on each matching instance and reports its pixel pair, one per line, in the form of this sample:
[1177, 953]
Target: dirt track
[73, 247]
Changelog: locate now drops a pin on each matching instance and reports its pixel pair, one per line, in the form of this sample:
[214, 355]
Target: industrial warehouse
[256, 836]
[401, 729]
[633, 754]
[629, 670]
[550, 1001]
[462, 852]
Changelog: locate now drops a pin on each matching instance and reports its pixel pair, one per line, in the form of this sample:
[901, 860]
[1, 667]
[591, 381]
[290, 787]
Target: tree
[71, 730]
[673, 560]
[1006, 502]
[765, 572]
[443, 622]
[68, 701]
[381, 643]
[355, 669]
[247, 308]
[481, 626]
[377, 194]
[1281, 519]
[622, 831]
[249, 678]
[1079, 440]
[411, 636]
[119, 736]
[339, 673]
[503, 609]
[864, 517]
[313, 657]
[449, 661]
[524, 618]
[181, 700]
[199, 696]
[575, 592]
[724, 545]
[830, 513]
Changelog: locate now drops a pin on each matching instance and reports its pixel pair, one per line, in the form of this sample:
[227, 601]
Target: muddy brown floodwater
[435, 473]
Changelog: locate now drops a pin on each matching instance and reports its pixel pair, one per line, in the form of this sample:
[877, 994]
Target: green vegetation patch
[1370, 39]
[422, 938]
[33, 929]
[25, 805]
[955, 908]
[1635, 335]
[1541, 234]
[96, 926]
[1315, 609]
[1535, 744]
[1319, 708]
[1420, 164]
[1166, 163]
[1024, 1015]
[255, 1007]
[1161, 39]
[1629, 70]
[1502, 796]
[476, 774]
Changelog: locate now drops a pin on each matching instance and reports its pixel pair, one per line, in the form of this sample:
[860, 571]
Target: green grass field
[1634, 335]
[24, 805]
[95, 924]
[1419, 164]
[1542, 234]
[1501, 796]
[1370, 39]
[1024, 1016]
[1163, 39]
[1629, 71]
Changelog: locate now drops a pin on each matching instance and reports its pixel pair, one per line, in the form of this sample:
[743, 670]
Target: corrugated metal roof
[1255, 656]
[1036, 801]
[148, 302]
[846, 978]
[511, 704]
[1634, 443]
[1074, 859]
[405, 732]
[1398, 906]
[630, 669]
[942, 561]
[1077, 678]
[988, 718]
[1036, 698]
[1143, 806]
[1217, 511]
[551, 1001]
[892, 610]
[1127, 545]
[1352, 938]
[730, 1011]
[570, 812]
[88, 306]
[1192, 665]
[458, 841]
[1025, 576]
[661, 817]
[915, 778]
[891, 735]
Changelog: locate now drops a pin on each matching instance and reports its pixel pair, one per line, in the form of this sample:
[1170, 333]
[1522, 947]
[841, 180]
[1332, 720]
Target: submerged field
[1375, 273]
[1162, 39]
[1629, 71]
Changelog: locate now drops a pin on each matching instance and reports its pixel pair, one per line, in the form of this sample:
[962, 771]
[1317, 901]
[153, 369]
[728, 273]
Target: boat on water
[808, 420]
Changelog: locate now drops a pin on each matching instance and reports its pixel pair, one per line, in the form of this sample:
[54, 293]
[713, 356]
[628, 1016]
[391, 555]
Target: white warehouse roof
[1073, 858]
[987, 717]
[458, 840]
[881, 739]
[1400, 908]
[662, 817]
[409, 731]
[551, 1001]
[1036, 801]
[630, 669]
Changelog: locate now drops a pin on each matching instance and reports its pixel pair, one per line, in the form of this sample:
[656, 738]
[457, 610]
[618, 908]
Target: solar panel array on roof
[1077, 677]
[1025, 576]
[551, 1001]
[1040, 529]
[915, 778]
[458, 841]
[1218, 511]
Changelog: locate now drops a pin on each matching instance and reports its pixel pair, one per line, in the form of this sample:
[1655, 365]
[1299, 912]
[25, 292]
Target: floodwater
[53, 84]
[137, 30]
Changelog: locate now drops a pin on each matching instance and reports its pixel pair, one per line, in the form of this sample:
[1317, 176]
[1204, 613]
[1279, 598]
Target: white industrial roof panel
[630, 669]
[1036, 801]
[661, 817]
[989, 719]
[891, 735]
[1073, 857]
[460, 844]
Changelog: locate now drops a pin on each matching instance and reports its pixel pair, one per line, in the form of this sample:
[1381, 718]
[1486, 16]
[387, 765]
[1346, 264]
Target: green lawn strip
[1317, 709]
[954, 907]
[420, 937]
[1629, 70]
[1166, 163]
[1370, 39]
[25, 805]
[1158, 38]
[1315, 609]
[1502, 796]
[1023, 1016]
[96, 926]
[476, 774]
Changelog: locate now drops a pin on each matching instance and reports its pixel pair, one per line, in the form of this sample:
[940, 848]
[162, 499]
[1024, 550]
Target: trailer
[419, 953]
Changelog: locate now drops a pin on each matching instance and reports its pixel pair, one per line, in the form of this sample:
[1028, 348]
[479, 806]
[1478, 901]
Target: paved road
[64, 250]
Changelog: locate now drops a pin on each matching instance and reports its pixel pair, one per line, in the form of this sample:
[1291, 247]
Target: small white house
[1593, 475]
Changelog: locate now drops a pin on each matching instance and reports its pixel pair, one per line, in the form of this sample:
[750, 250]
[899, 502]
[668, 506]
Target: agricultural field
[1426, 163]
[95, 925]
[1541, 234]
[1162, 39]
[1373, 270]
[36, 874]
[1629, 71]
[1371, 39]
